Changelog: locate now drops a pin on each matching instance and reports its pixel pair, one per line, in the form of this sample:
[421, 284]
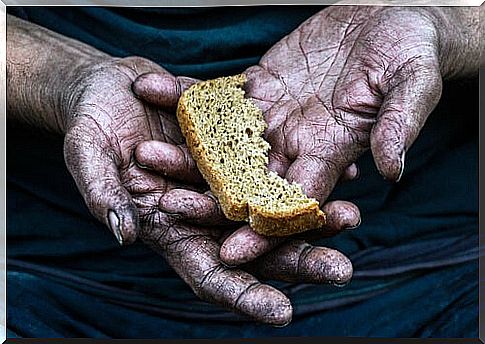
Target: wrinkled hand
[105, 124]
[348, 79]
[109, 128]
[243, 245]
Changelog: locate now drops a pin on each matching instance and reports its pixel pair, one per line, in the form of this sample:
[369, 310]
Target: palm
[322, 88]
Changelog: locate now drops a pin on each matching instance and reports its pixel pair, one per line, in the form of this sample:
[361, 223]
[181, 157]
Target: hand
[192, 248]
[244, 245]
[348, 79]
[62, 85]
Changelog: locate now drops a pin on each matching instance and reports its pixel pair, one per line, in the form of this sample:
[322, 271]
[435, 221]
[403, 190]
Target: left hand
[348, 79]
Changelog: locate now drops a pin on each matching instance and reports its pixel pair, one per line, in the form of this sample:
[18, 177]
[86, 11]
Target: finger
[341, 215]
[351, 173]
[245, 245]
[406, 106]
[162, 89]
[193, 207]
[194, 256]
[169, 160]
[316, 175]
[96, 174]
[298, 261]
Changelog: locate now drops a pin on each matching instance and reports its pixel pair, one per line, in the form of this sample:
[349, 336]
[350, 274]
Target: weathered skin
[348, 79]
[352, 78]
[59, 84]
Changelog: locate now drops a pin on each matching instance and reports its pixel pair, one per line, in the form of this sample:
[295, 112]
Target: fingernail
[283, 325]
[403, 155]
[354, 226]
[226, 264]
[134, 88]
[211, 196]
[357, 176]
[140, 165]
[339, 285]
[114, 223]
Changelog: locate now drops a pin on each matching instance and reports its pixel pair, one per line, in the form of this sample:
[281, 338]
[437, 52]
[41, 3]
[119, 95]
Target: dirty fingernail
[403, 155]
[114, 223]
[354, 226]
[282, 325]
[340, 285]
[357, 176]
[140, 165]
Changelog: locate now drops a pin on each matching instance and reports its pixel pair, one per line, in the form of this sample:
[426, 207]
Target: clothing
[415, 254]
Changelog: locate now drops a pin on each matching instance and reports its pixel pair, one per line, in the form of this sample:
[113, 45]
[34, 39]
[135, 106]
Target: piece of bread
[224, 133]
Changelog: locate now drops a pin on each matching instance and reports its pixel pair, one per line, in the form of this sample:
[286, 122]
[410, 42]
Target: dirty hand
[187, 227]
[59, 84]
[348, 79]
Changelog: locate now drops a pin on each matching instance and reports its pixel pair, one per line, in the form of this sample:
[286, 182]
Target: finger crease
[244, 292]
[303, 255]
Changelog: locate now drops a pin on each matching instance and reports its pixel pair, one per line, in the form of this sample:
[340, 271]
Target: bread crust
[282, 223]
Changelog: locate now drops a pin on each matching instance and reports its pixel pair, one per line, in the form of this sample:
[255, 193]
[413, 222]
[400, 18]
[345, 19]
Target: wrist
[80, 78]
[43, 69]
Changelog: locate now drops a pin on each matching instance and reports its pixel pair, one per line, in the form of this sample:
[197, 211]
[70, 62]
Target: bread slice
[224, 133]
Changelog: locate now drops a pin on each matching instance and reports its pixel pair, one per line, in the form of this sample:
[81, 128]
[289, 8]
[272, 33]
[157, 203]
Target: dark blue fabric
[415, 254]
[202, 43]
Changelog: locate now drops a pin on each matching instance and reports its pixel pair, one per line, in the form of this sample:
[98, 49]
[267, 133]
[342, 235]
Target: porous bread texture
[224, 133]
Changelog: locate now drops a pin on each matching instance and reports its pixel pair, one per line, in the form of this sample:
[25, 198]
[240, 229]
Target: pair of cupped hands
[348, 79]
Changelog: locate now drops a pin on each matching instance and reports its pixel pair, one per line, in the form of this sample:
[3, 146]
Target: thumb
[94, 169]
[404, 110]
[161, 89]
[173, 161]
